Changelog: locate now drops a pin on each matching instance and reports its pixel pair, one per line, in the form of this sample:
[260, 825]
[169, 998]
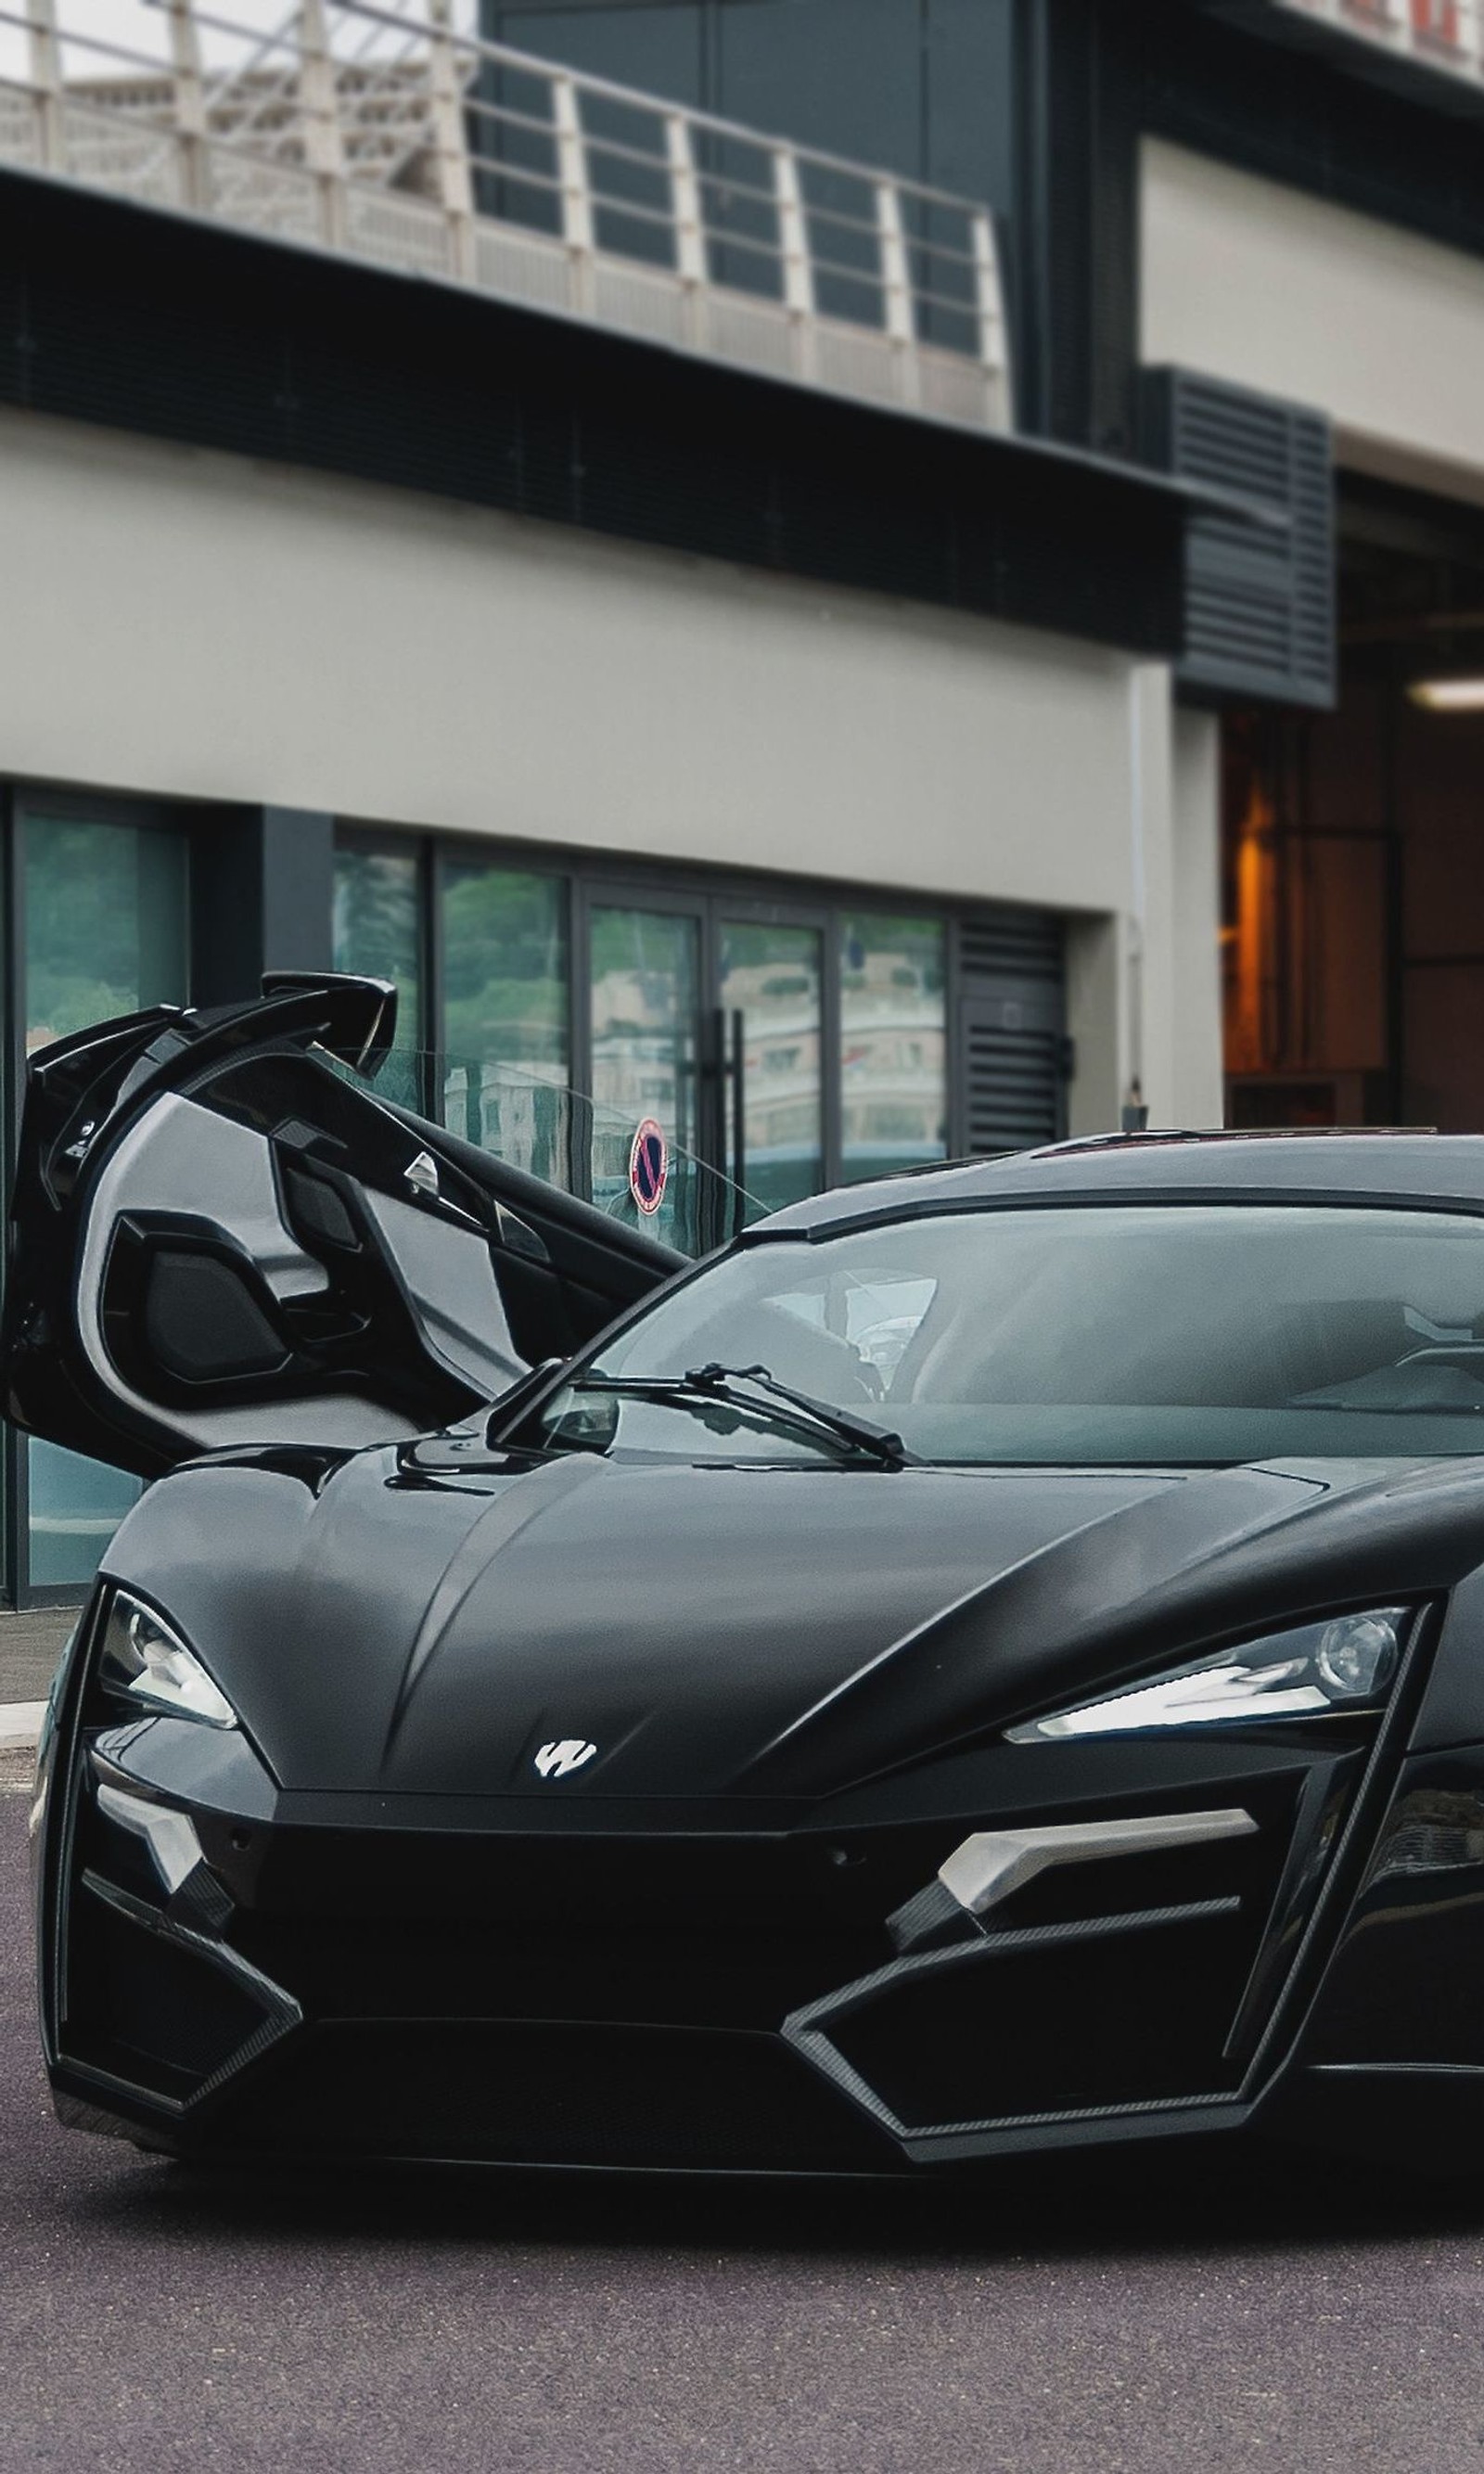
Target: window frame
[595, 879]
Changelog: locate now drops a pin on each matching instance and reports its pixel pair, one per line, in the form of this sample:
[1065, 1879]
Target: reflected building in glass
[894, 1044]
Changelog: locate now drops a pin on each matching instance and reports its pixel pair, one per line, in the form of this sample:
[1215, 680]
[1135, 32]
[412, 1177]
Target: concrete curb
[20, 1725]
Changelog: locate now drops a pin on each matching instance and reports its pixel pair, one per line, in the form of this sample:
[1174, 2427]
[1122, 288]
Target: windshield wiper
[809, 1416]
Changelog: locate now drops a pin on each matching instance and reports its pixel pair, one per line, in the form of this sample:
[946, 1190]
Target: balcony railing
[1443, 35]
[389, 134]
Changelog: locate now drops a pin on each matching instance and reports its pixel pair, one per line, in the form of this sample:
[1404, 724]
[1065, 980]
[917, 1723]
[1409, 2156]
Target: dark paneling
[226, 914]
[299, 889]
[1259, 600]
[262, 882]
[918, 87]
[149, 323]
[1011, 1058]
[1075, 237]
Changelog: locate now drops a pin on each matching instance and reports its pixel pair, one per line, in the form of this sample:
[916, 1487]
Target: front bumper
[718, 1989]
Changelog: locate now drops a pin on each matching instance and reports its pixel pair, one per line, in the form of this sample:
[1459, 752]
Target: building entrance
[781, 1043]
[707, 1017]
[1353, 842]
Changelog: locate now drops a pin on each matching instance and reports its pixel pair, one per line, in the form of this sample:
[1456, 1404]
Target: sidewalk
[30, 1646]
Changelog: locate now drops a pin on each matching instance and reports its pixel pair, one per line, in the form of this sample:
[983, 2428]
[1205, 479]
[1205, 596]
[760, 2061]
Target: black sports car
[990, 1659]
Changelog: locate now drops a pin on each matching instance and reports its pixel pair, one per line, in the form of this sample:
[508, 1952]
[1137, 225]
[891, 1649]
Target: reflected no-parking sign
[648, 1165]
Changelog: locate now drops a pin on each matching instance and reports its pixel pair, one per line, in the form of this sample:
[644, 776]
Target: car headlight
[144, 1660]
[1346, 1664]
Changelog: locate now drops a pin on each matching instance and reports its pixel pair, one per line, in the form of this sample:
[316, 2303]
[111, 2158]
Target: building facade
[843, 573]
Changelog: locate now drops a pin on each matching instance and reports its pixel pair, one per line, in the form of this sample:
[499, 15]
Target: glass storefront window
[506, 1068]
[74, 1508]
[104, 911]
[893, 1044]
[771, 975]
[646, 978]
[378, 930]
[485, 1033]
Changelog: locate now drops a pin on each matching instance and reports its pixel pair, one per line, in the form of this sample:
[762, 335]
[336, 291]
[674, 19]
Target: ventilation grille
[1260, 596]
[1022, 944]
[1014, 1057]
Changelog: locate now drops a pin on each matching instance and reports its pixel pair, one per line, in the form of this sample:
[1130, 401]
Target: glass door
[770, 989]
[645, 979]
[705, 1016]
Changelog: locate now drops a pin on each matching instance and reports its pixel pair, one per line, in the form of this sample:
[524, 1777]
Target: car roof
[1326, 1164]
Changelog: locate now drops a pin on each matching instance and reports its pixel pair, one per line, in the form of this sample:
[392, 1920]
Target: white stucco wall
[186, 622]
[1257, 284]
[1196, 1097]
[1153, 971]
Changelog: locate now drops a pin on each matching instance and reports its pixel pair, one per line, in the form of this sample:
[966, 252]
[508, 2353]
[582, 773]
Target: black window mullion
[429, 1030]
[579, 1031]
[831, 1039]
[956, 1124]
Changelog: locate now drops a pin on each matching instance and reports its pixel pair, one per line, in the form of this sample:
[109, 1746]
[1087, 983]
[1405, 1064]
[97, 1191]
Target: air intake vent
[1260, 596]
[1014, 1057]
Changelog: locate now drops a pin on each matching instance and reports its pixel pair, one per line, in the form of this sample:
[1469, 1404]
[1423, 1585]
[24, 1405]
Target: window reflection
[893, 1044]
[105, 934]
[771, 976]
[505, 1067]
[104, 923]
[645, 971]
[378, 930]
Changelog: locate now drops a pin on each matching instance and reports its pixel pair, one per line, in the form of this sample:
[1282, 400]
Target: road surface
[1062, 2322]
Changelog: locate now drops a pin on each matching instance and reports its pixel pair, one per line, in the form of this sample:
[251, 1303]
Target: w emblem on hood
[559, 1760]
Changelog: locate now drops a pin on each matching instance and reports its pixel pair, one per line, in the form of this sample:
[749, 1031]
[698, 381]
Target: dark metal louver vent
[1260, 594]
[1013, 1055]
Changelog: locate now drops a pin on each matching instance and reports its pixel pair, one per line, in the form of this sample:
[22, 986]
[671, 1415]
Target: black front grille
[517, 2092]
[1135, 2015]
[147, 2008]
[661, 1975]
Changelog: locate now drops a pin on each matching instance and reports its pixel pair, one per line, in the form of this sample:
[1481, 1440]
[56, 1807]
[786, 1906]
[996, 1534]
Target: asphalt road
[30, 1647]
[156, 2318]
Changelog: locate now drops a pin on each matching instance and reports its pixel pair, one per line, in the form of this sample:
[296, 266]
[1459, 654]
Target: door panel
[218, 1240]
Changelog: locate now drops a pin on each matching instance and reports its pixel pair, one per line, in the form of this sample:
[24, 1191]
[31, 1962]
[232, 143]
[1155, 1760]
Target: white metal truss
[390, 134]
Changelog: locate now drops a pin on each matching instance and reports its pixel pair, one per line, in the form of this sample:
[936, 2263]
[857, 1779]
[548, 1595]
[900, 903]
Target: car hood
[745, 1631]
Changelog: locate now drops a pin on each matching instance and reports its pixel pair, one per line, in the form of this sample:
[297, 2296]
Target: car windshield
[1096, 1335]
